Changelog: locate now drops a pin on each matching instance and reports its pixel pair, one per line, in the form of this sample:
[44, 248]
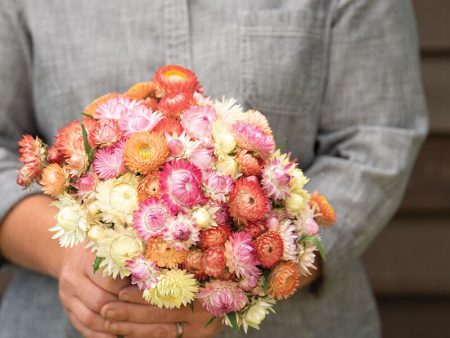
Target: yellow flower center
[175, 75]
[144, 152]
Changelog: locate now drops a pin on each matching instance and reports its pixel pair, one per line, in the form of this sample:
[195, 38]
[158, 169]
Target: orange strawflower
[149, 186]
[145, 152]
[141, 91]
[53, 180]
[165, 256]
[284, 280]
[249, 164]
[257, 119]
[174, 78]
[91, 109]
[325, 213]
[169, 125]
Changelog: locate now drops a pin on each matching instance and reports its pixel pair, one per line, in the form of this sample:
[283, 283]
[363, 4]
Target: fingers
[107, 283]
[137, 313]
[94, 297]
[132, 294]
[85, 316]
[143, 330]
[86, 332]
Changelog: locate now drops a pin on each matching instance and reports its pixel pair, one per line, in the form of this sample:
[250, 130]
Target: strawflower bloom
[139, 119]
[256, 312]
[150, 219]
[284, 280]
[194, 264]
[174, 289]
[222, 297]
[91, 109]
[53, 180]
[182, 232]
[306, 258]
[217, 186]
[325, 213]
[248, 202]
[175, 79]
[253, 138]
[169, 125]
[145, 152]
[173, 104]
[108, 162]
[198, 122]
[241, 255]
[115, 108]
[105, 133]
[163, 254]
[181, 185]
[149, 186]
[276, 179]
[144, 273]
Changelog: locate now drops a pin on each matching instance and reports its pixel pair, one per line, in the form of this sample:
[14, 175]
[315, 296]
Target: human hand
[83, 293]
[133, 317]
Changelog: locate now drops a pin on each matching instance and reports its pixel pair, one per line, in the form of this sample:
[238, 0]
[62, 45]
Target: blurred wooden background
[408, 263]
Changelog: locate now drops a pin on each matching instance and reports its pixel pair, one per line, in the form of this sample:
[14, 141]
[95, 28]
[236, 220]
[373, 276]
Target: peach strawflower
[255, 118]
[69, 140]
[105, 133]
[284, 280]
[248, 202]
[160, 252]
[32, 154]
[249, 164]
[194, 264]
[53, 180]
[145, 152]
[149, 186]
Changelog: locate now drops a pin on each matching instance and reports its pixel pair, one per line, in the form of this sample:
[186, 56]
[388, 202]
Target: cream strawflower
[256, 312]
[117, 246]
[202, 217]
[174, 288]
[71, 221]
[118, 199]
[225, 142]
[295, 202]
[306, 258]
[228, 110]
[228, 166]
[298, 180]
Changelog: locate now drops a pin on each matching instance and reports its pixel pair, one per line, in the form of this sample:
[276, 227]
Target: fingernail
[125, 297]
[109, 314]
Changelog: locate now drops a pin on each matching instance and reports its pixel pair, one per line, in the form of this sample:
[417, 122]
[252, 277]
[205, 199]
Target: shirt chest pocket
[281, 53]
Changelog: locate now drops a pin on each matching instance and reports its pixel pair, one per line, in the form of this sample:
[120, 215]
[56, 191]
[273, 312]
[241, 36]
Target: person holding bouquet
[338, 79]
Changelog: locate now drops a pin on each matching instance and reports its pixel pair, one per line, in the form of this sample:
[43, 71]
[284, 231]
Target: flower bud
[202, 217]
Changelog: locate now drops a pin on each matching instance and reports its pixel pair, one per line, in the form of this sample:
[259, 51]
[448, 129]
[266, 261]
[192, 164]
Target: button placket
[177, 33]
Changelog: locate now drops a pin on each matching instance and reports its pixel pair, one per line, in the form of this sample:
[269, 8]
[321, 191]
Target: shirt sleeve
[372, 124]
[16, 112]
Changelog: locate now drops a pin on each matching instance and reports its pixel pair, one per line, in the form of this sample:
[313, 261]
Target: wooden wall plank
[410, 257]
[436, 81]
[433, 24]
[429, 186]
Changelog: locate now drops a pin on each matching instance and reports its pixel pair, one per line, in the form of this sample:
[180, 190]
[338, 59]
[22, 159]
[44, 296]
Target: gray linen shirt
[338, 78]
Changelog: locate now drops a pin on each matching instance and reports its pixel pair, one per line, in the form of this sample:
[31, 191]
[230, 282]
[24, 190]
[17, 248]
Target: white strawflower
[117, 199]
[224, 140]
[116, 246]
[71, 221]
[256, 312]
[228, 166]
[228, 110]
[288, 232]
[306, 258]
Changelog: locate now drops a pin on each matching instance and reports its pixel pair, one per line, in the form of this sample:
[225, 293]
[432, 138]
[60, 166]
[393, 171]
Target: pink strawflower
[139, 119]
[144, 273]
[116, 108]
[241, 255]
[217, 186]
[221, 215]
[86, 184]
[105, 133]
[221, 297]
[311, 227]
[253, 138]
[198, 121]
[108, 162]
[54, 156]
[180, 146]
[181, 187]
[203, 156]
[182, 232]
[149, 220]
[276, 178]
[248, 283]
